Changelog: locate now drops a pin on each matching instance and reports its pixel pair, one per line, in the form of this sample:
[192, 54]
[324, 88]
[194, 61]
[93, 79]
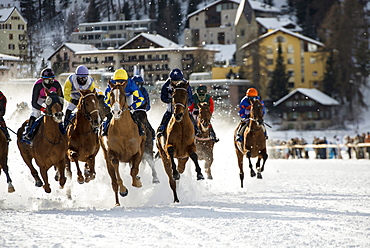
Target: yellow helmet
[120, 74]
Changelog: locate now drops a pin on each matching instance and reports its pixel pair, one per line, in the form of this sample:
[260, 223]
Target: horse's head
[204, 117]
[118, 98]
[54, 105]
[180, 99]
[89, 106]
[256, 112]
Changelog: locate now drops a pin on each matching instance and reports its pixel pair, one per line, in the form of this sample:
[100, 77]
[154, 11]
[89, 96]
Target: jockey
[146, 103]
[244, 111]
[200, 96]
[176, 75]
[47, 81]
[120, 76]
[2, 113]
[80, 80]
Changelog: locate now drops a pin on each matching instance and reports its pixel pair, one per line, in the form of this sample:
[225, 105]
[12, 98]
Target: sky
[298, 203]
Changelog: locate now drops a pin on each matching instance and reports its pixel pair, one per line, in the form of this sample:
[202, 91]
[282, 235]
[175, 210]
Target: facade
[104, 35]
[306, 109]
[9, 67]
[154, 54]
[304, 58]
[13, 33]
[65, 59]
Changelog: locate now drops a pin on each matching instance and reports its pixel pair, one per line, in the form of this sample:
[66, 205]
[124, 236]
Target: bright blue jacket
[131, 89]
[167, 90]
[245, 106]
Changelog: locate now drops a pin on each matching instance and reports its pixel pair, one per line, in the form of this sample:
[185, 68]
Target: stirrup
[239, 138]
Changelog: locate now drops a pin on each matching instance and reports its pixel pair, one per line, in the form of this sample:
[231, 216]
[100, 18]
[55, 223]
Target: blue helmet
[176, 75]
[138, 79]
[47, 73]
[82, 71]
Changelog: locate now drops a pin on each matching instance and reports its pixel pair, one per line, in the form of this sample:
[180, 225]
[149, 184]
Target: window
[97, 37]
[97, 28]
[314, 73]
[312, 47]
[312, 60]
[20, 27]
[290, 61]
[112, 27]
[22, 37]
[104, 28]
[291, 73]
[270, 62]
[11, 47]
[315, 84]
[290, 49]
[89, 29]
[269, 50]
[242, 32]
[90, 37]
[280, 39]
[22, 47]
[10, 36]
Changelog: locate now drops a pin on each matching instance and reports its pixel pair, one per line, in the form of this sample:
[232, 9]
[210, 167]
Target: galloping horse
[83, 142]
[123, 143]
[49, 144]
[203, 141]
[4, 149]
[254, 142]
[178, 139]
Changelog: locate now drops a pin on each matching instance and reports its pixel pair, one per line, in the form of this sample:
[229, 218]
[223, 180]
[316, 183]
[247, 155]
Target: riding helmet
[82, 71]
[176, 75]
[252, 92]
[202, 89]
[47, 73]
[138, 79]
[120, 74]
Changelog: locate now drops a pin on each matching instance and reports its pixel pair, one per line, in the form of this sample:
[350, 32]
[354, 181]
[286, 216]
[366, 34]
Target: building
[306, 109]
[65, 59]
[304, 58]
[155, 54]
[110, 34]
[9, 67]
[13, 33]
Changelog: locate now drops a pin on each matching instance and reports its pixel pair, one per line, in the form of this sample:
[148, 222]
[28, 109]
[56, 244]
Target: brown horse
[83, 142]
[203, 141]
[254, 142]
[49, 144]
[178, 139]
[123, 143]
[4, 149]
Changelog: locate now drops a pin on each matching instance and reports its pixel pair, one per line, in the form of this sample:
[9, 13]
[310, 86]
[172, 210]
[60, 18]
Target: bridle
[116, 108]
[86, 113]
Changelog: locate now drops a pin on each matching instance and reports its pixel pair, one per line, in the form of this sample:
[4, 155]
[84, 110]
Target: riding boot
[67, 117]
[7, 134]
[139, 121]
[264, 131]
[165, 119]
[151, 129]
[106, 123]
[196, 129]
[239, 134]
[213, 134]
[28, 130]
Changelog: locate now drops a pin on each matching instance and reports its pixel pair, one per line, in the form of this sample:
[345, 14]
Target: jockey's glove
[74, 101]
[43, 109]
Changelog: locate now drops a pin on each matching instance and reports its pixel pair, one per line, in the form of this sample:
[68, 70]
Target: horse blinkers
[55, 111]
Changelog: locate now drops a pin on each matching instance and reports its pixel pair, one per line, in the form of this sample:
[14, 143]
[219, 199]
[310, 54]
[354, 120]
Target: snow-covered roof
[225, 53]
[155, 38]
[8, 57]
[5, 13]
[75, 47]
[284, 30]
[314, 94]
[277, 22]
[210, 5]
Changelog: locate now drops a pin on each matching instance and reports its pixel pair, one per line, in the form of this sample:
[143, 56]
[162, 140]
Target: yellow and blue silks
[131, 89]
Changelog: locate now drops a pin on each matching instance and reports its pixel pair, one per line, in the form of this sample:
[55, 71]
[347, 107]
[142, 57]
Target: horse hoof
[11, 189]
[259, 176]
[200, 176]
[253, 174]
[176, 176]
[155, 180]
[123, 194]
[209, 177]
[38, 184]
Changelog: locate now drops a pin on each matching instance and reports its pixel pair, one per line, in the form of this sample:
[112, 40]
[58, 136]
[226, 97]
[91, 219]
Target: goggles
[120, 81]
[48, 80]
[82, 79]
[252, 98]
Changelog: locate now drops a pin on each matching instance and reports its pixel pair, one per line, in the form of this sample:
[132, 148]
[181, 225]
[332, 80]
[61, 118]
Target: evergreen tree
[93, 13]
[28, 11]
[127, 11]
[278, 86]
[65, 3]
[48, 10]
[169, 19]
[72, 23]
[57, 66]
[329, 85]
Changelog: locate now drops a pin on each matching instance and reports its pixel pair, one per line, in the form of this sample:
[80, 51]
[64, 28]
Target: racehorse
[203, 141]
[254, 142]
[178, 139]
[123, 142]
[83, 142]
[4, 149]
[49, 145]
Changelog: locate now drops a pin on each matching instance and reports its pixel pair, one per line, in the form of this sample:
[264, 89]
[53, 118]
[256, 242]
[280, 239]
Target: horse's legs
[135, 171]
[61, 170]
[5, 167]
[175, 173]
[239, 155]
[34, 172]
[73, 156]
[90, 169]
[253, 174]
[123, 191]
[207, 166]
[149, 159]
[172, 182]
[44, 175]
[112, 175]
[258, 168]
[194, 157]
[264, 157]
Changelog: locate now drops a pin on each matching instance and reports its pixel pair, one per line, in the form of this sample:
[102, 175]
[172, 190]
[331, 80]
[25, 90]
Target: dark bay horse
[254, 142]
[203, 141]
[83, 142]
[123, 142]
[4, 149]
[49, 145]
[178, 139]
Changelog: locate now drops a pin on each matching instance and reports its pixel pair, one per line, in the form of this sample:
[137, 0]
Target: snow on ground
[298, 203]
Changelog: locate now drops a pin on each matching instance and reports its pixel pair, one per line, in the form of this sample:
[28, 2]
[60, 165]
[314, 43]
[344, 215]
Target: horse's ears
[110, 83]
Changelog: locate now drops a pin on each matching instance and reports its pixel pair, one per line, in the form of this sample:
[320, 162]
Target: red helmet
[252, 92]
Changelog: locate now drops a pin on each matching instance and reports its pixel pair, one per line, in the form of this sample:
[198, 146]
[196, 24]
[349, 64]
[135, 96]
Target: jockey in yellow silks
[132, 92]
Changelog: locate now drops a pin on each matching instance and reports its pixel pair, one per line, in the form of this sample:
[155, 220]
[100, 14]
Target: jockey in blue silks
[132, 91]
